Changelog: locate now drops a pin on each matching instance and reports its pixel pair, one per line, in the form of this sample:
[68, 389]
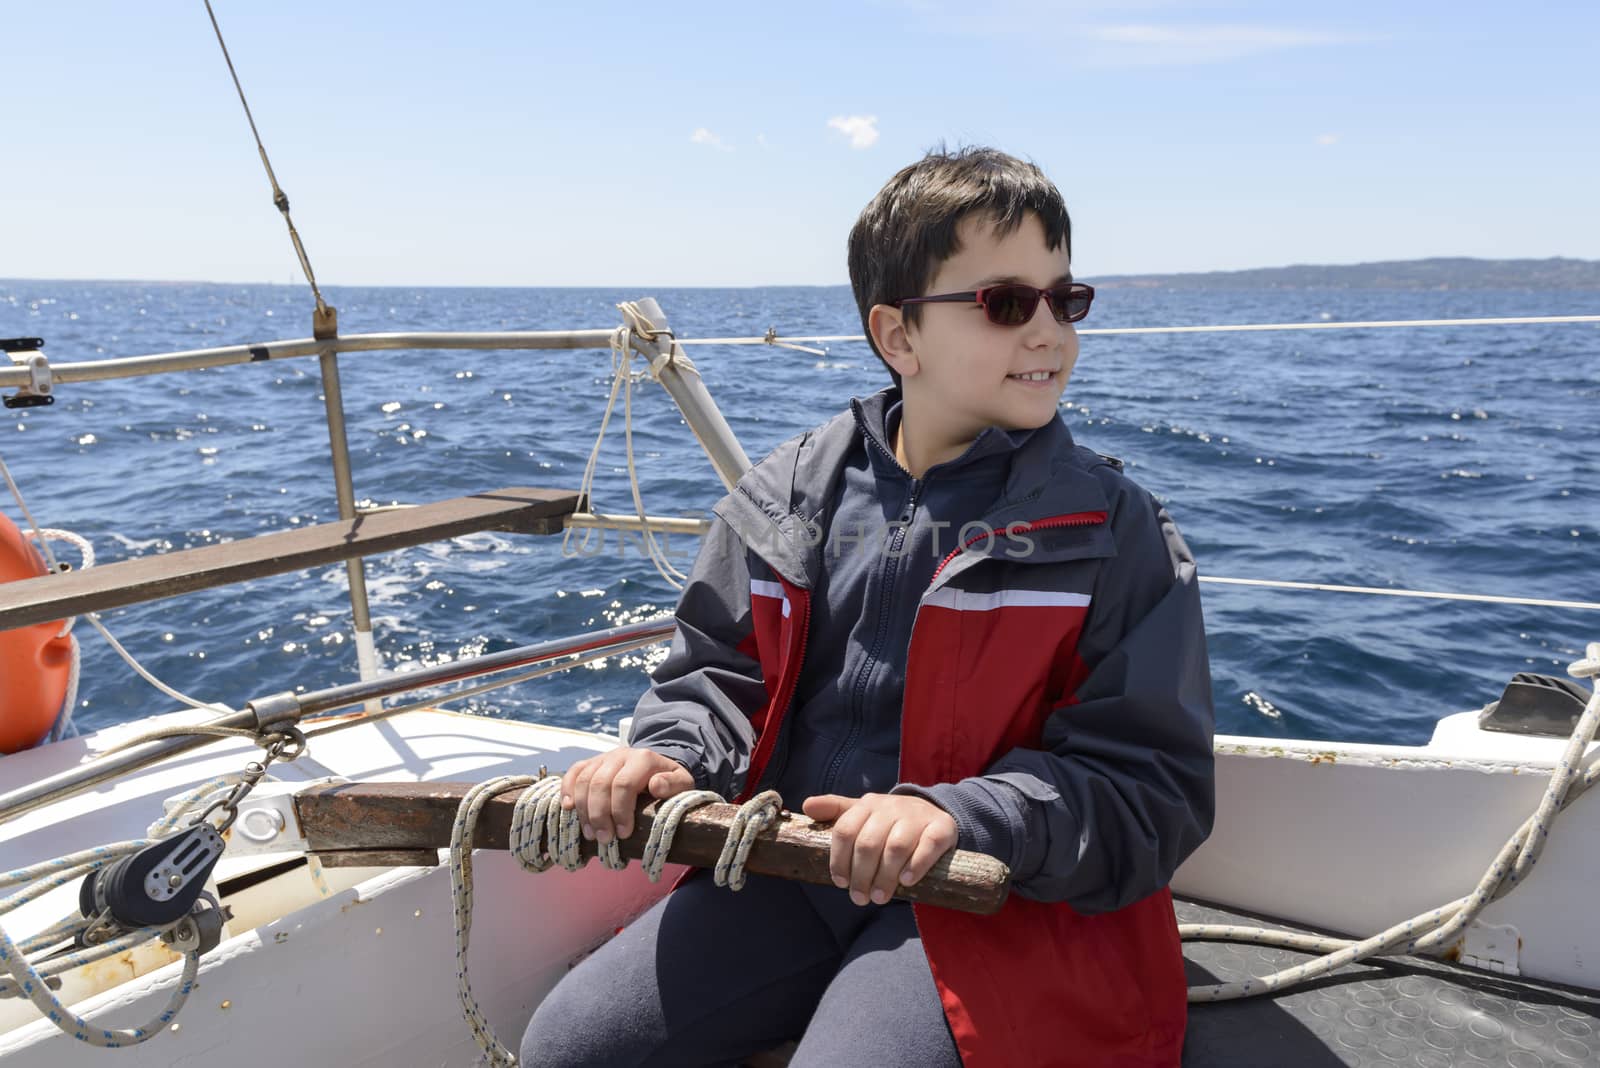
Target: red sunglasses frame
[980, 296]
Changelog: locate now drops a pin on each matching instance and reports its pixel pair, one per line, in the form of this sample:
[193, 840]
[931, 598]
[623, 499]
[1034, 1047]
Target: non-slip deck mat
[1402, 1011]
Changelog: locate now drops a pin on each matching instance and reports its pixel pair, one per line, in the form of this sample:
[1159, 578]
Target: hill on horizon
[1440, 272]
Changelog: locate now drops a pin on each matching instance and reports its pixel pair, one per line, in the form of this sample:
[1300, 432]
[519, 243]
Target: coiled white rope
[31, 982]
[63, 726]
[543, 835]
[538, 812]
[1431, 931]
[623, 379]
[669, 814]
[753, 817]
[658, 556]
[42, 536]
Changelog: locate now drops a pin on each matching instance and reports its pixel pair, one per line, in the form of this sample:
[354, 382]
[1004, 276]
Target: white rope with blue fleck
[543, 834]
[664, 828]
[753, 817]
[31, 981]
[1431, 931]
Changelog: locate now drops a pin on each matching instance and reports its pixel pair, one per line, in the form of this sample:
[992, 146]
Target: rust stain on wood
[379, 858]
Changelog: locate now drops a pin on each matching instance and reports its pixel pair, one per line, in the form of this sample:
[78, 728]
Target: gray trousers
[709, 977]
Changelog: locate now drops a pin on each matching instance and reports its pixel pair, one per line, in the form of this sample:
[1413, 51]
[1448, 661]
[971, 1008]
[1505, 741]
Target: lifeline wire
[1328, 587]
[1519, 320]
[165, 362]
[43, 536]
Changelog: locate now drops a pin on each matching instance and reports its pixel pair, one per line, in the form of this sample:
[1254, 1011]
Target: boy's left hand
[881, 841]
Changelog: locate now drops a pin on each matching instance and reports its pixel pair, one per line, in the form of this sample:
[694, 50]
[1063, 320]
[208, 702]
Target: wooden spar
[387, 823]
[149, 578]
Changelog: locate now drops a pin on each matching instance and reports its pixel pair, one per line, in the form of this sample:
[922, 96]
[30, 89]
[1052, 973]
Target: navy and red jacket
[1056, 670]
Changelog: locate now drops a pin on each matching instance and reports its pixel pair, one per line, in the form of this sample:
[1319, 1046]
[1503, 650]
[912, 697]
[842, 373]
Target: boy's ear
[888, 327]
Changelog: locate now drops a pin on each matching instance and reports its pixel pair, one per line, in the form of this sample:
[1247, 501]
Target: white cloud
[861, 129]
[1327, 139]
[703, 136]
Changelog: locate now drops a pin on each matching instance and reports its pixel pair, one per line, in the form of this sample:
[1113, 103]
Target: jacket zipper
[875, 655]
[778, 760]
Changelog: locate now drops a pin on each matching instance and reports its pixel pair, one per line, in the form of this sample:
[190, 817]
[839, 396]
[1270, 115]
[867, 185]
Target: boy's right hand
[604, 789]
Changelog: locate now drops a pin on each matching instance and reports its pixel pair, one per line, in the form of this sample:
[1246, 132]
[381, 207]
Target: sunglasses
[1013, 304]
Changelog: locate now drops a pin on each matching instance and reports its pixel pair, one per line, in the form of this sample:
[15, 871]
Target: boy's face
[960, 372]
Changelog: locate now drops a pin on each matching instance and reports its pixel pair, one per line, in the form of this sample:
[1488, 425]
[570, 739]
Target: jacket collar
[778, 508]
[987, 455]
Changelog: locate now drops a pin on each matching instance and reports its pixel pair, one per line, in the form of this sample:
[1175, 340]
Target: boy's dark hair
[909, 228]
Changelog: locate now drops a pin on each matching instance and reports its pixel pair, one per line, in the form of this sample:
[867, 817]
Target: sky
[729, 144]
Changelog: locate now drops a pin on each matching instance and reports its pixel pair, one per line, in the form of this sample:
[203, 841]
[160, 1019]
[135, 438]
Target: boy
[933, 620]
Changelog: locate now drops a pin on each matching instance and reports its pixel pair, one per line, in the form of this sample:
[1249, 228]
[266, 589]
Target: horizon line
[1123, 276]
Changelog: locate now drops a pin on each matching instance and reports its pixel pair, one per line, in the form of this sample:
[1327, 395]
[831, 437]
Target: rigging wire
[280, 199]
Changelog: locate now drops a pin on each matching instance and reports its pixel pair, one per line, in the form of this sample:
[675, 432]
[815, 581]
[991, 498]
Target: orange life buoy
[35, 661]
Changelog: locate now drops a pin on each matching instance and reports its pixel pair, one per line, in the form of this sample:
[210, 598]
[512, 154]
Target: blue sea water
[1456, 458]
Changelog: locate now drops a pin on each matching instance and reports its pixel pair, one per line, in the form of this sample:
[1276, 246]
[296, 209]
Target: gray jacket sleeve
[1121, 790]
[697, 710]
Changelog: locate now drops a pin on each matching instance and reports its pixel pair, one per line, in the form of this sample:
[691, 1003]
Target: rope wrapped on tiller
[543, 835]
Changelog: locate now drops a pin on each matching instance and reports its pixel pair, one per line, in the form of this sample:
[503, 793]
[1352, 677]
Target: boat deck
[1410, 1011]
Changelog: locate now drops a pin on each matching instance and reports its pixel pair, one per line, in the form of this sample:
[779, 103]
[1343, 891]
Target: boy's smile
[961, 373]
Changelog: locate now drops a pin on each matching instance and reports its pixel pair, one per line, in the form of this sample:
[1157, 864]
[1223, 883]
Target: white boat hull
[1343, 836]
[1356, 838]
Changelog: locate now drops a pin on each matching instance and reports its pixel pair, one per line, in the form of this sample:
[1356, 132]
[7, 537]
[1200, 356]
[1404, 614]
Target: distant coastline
[1559, 273]
[1437, 273]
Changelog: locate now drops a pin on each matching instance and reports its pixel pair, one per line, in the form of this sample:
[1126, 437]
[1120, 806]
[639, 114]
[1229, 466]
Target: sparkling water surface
[1457, 458]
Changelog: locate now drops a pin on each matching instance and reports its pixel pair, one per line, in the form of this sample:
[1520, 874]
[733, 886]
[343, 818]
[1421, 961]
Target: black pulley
[157, 885]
